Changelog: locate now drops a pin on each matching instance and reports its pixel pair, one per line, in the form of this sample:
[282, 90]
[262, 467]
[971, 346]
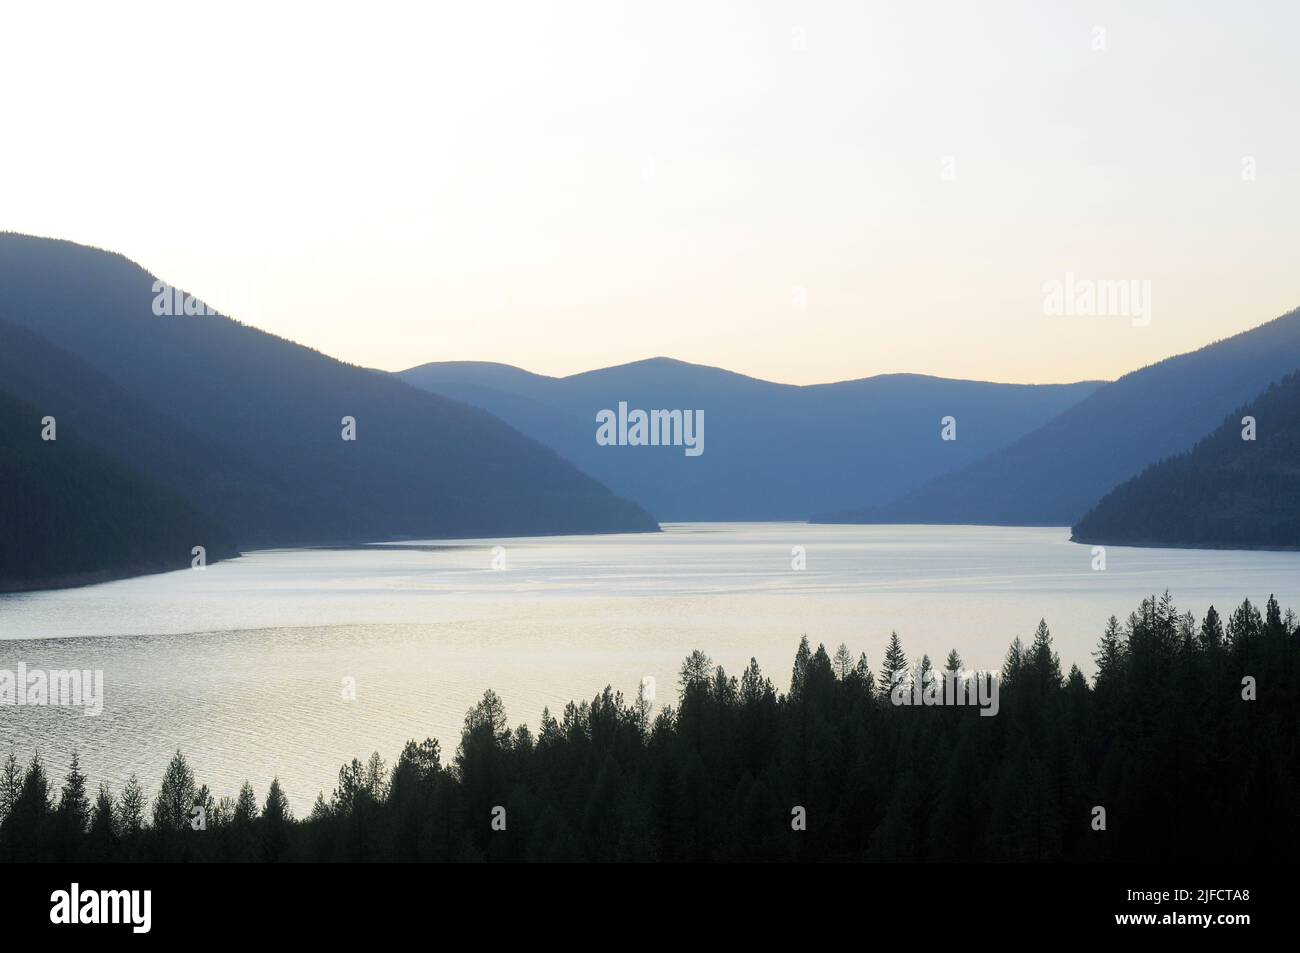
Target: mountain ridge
[772, 450]
[265, 415]
[1053, 474]
[666, 360]
[1225, 492]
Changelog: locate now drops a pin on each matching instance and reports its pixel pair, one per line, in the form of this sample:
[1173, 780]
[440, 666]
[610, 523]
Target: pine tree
[276, 818]
[724, 688]
[1075, 683]
[799, 675]
[1110, 657]
[490, 714]
[320, 811]
[376, 778]
[74, 805]
[842, 664]
[953, 662]
[1211, 631]
[754, 688]
[245, 805]
[863, 676]
[1187, 634]
[26, 829]
[549, 733]
[1273, 618]
[11, 784]
[276, 809]
[696, 670]
[131, 807]
[521, 742]
[643, 706]
[1044, 661]
[819, 678]
[895, 664]
[1167, 625]
[924, 671]
[176, 795]
[351, 789]
[1244, 627]
[103, 824]
[1014, 663]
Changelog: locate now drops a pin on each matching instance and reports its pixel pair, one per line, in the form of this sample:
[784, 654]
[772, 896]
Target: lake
[243, 665]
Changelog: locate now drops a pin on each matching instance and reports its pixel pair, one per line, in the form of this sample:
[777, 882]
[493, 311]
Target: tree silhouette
[176, 796]
[1187, 764]
[895, 664]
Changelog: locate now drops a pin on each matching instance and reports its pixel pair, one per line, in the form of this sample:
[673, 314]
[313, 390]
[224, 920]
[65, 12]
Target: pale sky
[572, 185]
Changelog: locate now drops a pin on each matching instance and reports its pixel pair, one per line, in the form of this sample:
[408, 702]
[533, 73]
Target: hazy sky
[566, 186]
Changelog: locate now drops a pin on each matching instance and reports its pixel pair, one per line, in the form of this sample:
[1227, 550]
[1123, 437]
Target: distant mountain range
[246, 428]
[1227, 491]
[1054, 474]
[771, 451]
[185, 429]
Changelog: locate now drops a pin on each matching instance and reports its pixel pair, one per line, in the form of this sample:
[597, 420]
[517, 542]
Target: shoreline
[99, 577]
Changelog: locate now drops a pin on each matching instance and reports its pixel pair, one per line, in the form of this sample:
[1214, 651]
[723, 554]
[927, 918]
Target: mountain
[248, 427]
[93, 410]
[1226, 492]
[1051, 476]
[771, 451]
[70, 514]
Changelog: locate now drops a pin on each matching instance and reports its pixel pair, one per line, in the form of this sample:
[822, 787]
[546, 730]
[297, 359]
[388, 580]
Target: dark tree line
[1188, 738]
[70, 514]
[1226, 491]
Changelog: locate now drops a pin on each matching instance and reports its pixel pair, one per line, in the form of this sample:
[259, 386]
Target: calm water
[242, 665]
